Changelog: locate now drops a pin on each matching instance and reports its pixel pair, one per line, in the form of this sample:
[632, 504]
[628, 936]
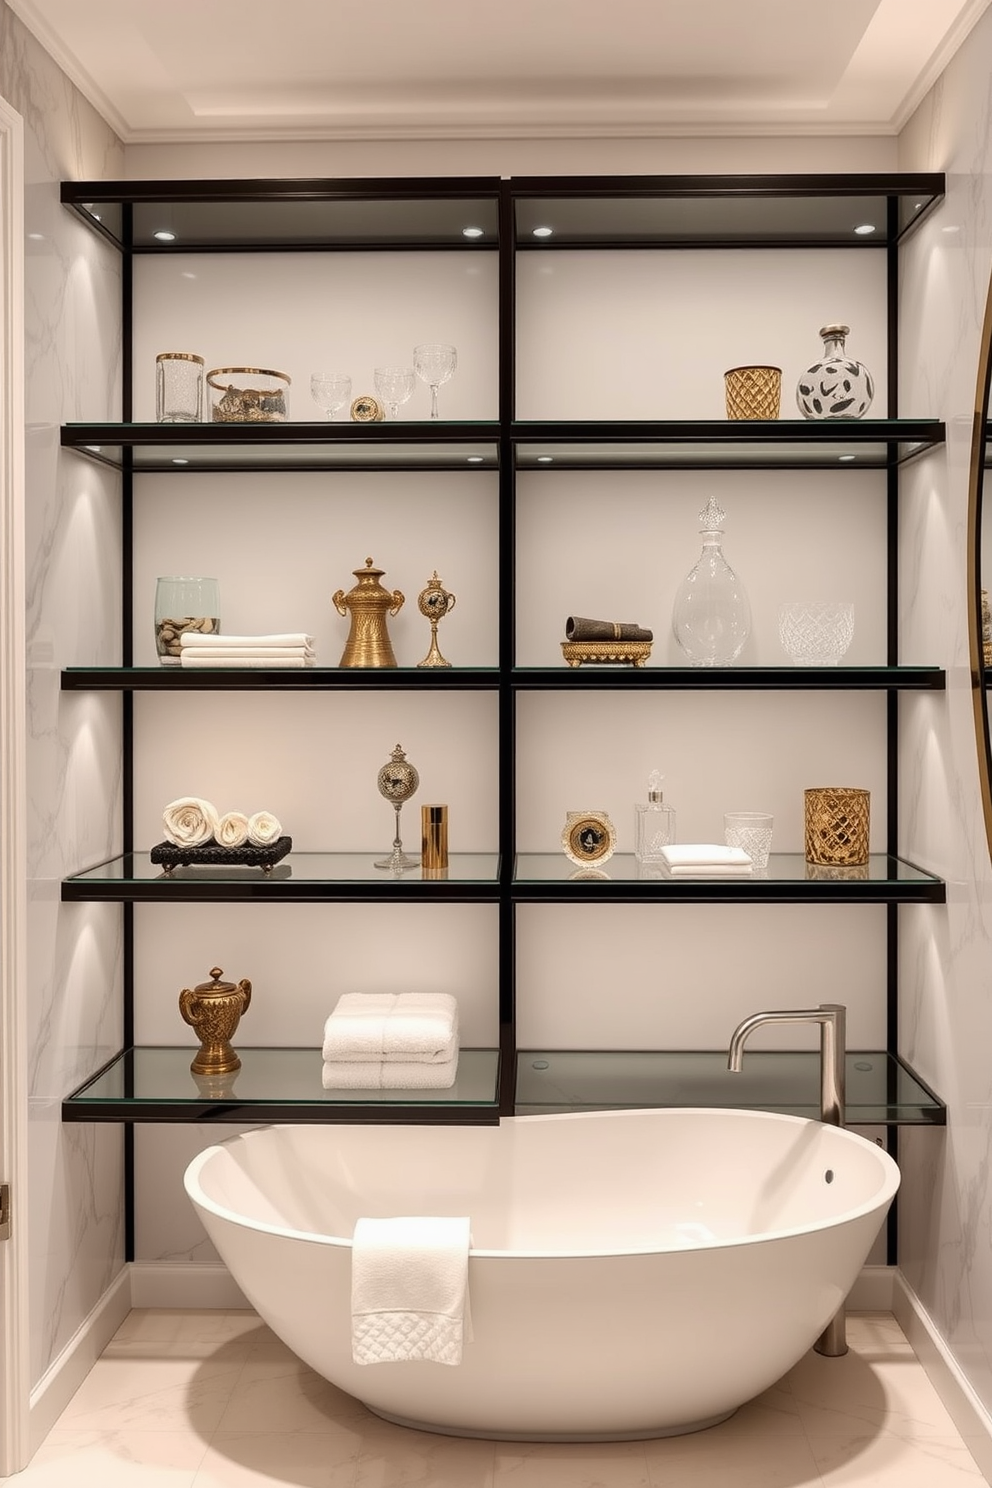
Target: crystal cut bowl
[816, 632]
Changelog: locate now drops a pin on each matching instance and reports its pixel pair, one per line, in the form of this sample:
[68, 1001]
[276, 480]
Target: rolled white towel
[193, 659]
[232, 829]
[392, 1026]
[193, 639]
[388, 1074]
[190, 822]
[263, 829]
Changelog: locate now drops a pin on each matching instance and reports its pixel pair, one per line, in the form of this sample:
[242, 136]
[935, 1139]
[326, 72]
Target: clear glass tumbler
[184, 604]
[752, 831]
[178, 388]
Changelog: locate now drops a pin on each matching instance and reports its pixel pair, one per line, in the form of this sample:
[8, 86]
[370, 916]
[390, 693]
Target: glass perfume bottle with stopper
[712, 616]
[654, 823]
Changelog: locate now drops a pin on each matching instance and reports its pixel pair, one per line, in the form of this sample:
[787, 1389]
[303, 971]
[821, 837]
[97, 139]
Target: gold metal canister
[434, 837]
[368, 643]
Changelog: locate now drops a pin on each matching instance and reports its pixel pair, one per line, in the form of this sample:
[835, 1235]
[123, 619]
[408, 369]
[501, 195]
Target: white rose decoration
[190, 822]
[232, 829]
[263, 829]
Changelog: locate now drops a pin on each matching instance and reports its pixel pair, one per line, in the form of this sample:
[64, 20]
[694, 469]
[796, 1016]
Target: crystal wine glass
[395, 386]
[330, 391]
[434, 364]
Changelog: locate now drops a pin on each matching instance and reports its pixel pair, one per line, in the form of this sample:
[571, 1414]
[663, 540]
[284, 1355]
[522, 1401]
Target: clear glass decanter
[712, 617]
[654, 823]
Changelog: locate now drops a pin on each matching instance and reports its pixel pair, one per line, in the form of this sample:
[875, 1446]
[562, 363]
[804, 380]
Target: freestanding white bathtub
[632, 1273]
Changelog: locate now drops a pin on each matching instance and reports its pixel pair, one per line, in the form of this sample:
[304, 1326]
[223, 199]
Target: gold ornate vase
[213, 1010]
[434, 602]
[368, 643]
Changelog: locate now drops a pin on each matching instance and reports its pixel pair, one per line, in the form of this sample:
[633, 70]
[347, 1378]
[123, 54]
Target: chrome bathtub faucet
[832, 1018]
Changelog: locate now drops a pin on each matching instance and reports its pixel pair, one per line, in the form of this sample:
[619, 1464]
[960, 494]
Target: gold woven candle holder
[837, 825]
[753, 392]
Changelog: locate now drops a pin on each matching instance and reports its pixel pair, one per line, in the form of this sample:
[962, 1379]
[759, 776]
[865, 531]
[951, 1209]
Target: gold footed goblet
[434, 602]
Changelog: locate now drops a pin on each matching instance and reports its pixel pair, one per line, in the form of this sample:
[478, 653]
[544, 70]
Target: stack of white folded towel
[291, 649]
[391, 1041]
[705, 860]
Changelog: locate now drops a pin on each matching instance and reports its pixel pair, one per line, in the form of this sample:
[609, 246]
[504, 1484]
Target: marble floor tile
[712, 1460]
[114, 1459]
[395, 1457]
[238, 1459]
[282, 1394]
[854, 1395]
[568, 1465]
[887, 1461]
[215, 1400]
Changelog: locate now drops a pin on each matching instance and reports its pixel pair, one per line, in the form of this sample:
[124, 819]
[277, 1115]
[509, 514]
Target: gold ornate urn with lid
[368, 643]
[213, 1010]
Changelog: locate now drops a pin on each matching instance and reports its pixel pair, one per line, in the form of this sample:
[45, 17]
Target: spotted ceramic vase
[836, 387]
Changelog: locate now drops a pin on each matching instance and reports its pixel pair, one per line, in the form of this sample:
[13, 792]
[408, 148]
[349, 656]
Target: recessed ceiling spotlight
[543, 232]
[473, 232]
[865, 229]
[844, 458]
[545, 459]
[474, 459]
[164, 236]
[178, 461]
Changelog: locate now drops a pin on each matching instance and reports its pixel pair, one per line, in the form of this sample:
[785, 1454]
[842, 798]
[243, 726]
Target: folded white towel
[420, 1026]
[232, 829]
[194, 638]
[688, 855]
[409, 1289]
[388, 1074]
[190, 821]
[712, 870]
[195, 660]
[273, 653]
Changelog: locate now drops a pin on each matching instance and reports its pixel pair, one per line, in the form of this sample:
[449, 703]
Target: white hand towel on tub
[388, 1074]
[290, 638]
[404, 1026]
[409, 1289]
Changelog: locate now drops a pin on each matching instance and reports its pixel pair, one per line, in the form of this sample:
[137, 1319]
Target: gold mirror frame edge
[976, 481]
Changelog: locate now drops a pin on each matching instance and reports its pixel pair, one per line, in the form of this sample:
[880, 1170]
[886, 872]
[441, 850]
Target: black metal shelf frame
[671, 212]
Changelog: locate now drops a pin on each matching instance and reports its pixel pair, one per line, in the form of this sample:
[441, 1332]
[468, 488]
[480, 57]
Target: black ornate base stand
[171, 856]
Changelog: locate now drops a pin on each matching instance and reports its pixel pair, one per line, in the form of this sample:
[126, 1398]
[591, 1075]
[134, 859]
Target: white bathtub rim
[880, 1200]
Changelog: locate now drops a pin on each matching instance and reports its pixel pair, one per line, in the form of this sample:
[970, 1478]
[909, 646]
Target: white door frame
[14, 1336]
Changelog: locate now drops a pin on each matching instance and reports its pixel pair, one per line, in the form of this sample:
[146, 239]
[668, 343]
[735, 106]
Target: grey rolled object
[579, 629]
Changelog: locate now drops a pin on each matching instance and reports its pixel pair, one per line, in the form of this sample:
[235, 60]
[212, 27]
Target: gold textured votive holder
[837, 822]
[753, 392]
[434, 838]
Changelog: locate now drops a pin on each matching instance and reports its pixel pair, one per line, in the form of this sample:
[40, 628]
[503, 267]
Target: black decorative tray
[171, 856]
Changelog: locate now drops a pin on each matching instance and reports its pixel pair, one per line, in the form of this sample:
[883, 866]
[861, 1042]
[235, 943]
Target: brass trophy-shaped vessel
[368, 643]
[434, 602]
[213, 1010]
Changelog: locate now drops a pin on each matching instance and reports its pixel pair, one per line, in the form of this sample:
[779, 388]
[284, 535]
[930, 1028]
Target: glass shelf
[789, 879]
[732, 679]
[714, 444]
[272, 679]
[292, 214]
[724, 211]
[615, 212]
[179, 449]
[156, 1084]
[300, 877]
[881, 1088]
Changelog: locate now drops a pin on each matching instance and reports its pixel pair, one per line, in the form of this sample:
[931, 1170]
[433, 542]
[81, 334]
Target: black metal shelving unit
[616, 213]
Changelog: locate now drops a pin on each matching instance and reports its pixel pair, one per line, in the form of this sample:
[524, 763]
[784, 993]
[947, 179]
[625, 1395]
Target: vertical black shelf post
[507, 652]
